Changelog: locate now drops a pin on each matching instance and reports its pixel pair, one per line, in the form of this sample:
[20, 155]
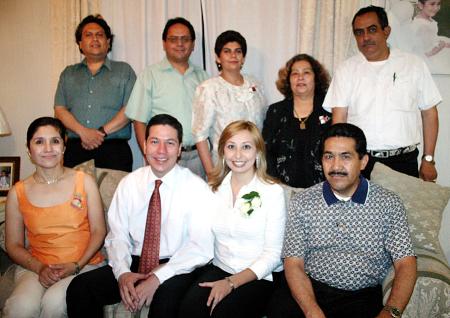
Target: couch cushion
[424, 202]
[107, 181]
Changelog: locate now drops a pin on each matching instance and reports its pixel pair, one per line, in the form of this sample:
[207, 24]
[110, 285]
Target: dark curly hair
[321, 76]
[97, 19]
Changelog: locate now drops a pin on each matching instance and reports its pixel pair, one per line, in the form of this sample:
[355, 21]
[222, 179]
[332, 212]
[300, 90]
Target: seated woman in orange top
[60, 211]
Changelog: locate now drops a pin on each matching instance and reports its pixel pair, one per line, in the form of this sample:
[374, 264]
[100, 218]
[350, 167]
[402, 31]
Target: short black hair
[165, 119]
[227, 37]
[349, 131]
[379, 11]
[46, 121]
[178, 20]
[97, 19]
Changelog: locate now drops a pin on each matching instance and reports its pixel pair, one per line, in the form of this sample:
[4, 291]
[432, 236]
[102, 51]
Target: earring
[257, 162]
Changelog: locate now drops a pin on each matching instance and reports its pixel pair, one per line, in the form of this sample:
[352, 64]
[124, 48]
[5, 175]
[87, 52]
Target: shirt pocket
[400, 94]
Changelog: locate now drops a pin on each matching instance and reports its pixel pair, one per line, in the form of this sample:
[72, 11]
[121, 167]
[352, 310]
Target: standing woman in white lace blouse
[248, 228]
[225, 98]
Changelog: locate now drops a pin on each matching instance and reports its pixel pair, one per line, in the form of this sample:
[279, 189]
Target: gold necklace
[42, 180]
[302, 120]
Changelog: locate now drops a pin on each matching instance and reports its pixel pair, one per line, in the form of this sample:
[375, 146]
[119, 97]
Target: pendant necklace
[302, 120]
[41, 180]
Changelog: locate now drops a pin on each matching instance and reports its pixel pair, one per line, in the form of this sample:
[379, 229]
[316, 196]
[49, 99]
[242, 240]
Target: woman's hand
[63, 270]
[47, 277]
[219, 290]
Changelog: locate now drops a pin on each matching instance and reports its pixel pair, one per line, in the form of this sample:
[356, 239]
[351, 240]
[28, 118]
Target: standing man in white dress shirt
[382, 91]
[185, 239]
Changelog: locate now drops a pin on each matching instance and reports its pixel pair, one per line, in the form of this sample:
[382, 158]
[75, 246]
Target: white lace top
[218, 103]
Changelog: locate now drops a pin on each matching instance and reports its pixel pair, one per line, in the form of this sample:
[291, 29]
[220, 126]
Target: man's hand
[90, 138]
[146, 289]
[219, 290]
[383, 314]
[47, 277]
[427, 171]
[127, 282]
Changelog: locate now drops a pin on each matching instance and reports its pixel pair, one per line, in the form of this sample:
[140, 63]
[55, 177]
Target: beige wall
[25, 70]
[26, 91]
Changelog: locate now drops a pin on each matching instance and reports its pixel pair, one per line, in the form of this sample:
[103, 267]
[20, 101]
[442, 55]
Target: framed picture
[9, 173]
[422, 28]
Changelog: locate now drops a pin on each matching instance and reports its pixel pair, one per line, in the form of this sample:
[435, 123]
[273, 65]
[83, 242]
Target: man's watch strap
[102, 130]
[394, 311]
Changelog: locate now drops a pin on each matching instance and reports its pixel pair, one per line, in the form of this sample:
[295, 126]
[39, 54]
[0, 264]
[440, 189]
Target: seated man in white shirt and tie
[145, 268]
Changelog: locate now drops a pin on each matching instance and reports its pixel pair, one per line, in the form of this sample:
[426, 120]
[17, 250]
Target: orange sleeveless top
[60, 233]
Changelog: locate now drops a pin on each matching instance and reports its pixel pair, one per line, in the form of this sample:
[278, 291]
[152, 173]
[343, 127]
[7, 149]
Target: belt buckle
[381, 154]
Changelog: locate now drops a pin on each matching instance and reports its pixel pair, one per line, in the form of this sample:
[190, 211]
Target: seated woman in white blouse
[223, 99]
[248, 230]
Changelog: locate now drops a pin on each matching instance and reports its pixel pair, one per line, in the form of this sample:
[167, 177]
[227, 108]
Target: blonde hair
[221, 169]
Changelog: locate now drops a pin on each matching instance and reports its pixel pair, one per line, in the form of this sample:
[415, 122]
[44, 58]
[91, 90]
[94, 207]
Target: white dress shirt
[186, 236]
[254, 241]
[218, 103]
[384, 98]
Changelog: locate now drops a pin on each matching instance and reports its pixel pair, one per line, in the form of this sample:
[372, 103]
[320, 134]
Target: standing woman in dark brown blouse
[293, 126]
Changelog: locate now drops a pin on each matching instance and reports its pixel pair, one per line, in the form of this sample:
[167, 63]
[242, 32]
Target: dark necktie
[150, 248]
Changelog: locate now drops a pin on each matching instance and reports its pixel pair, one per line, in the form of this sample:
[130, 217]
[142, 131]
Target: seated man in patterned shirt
[341, 238]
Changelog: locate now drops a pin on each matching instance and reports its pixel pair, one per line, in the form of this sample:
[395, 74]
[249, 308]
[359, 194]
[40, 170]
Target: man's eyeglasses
[175, 39]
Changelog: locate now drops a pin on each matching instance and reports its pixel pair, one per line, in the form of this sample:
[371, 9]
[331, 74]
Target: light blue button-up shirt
[161, 89]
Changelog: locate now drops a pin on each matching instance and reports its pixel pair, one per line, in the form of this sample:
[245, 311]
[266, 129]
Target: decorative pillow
[87, 167]
[424, 202]
[107, 181]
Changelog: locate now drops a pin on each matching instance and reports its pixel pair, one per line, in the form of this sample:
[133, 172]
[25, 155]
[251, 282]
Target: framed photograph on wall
[9, 173]
[422, 27]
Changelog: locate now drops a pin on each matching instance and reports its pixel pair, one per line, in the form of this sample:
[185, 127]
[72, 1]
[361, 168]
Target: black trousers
[112, 154]
[90, 291]
[335, 303]
[247, 301]
[404, 163]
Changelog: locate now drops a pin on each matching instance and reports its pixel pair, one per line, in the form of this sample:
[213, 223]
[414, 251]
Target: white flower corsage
[323, 119]
[252, 201]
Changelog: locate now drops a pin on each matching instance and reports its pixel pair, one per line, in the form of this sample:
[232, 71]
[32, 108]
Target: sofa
[427, 207]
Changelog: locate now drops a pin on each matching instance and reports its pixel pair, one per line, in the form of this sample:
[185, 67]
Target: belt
[188, 148]
[392, 152]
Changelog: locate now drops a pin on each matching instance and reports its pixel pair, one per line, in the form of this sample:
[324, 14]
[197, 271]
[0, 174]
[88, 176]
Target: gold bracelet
[29, 260]
[230, 282]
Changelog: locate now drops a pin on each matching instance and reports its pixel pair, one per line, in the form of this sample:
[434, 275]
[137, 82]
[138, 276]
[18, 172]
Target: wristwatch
[395, 312]
[102, 130]
[77, 268]
[428, 158]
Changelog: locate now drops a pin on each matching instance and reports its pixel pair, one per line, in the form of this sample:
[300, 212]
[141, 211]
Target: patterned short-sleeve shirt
[347, 244]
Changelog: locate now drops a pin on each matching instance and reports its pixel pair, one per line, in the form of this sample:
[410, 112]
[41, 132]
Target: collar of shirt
[166, 66]
[168, 180]
[359, 196]
[106, 64]
[227, 193]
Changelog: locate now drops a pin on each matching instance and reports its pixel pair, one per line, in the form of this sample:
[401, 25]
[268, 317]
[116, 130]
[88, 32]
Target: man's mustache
[337, 173]
[365, 43]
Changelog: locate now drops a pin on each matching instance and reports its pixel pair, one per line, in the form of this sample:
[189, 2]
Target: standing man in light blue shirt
[168, 87]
